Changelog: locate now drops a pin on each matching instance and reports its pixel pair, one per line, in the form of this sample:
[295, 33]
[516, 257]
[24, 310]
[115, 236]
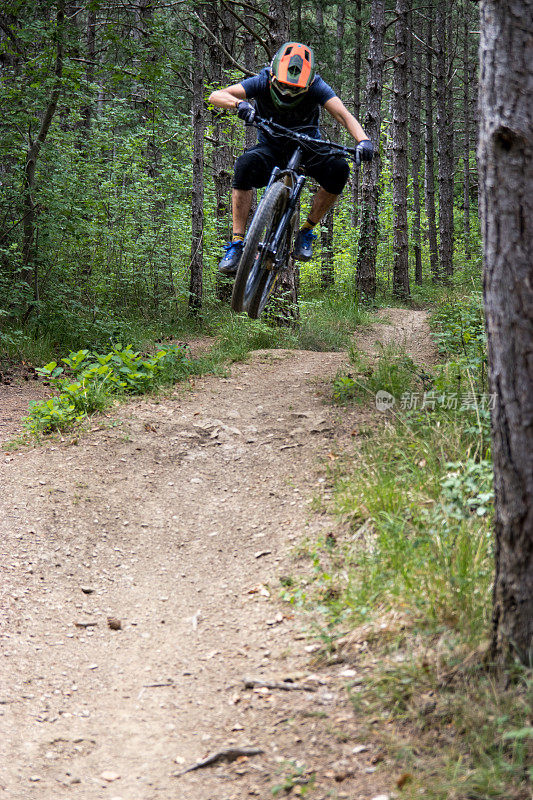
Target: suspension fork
[287, 214]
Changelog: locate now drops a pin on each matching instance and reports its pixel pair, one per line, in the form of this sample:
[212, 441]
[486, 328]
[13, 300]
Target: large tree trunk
[400, 275]
[29, 272]
[356, 102]
[219, 67]
[429, 161]
[444, 143]
[327, 271]
[368, 241]
[466, 123]
[505, 158]
[414, 131]
[197, 200]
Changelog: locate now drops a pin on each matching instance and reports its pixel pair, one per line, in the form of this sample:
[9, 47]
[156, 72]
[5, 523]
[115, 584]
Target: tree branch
[246, 26]
[221, 46]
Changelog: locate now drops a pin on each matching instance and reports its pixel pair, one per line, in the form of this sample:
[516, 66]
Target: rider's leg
[331, 173]
[322, 202]
[241, 201]
[252, 168]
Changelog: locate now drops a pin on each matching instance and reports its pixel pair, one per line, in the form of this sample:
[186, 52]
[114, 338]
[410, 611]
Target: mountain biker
[290, 93]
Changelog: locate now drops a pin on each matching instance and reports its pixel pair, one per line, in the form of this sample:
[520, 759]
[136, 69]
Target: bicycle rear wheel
[255, 279]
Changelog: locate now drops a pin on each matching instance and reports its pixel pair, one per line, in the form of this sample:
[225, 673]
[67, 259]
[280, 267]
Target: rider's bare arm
[228, 97]
[337, 109]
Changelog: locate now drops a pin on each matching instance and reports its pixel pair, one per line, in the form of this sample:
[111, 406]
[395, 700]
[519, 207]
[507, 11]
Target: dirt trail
[173, 516]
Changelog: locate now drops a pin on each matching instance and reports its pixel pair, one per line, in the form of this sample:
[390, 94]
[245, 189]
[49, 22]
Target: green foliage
[459, 331]
[91, 380]
[295, 774]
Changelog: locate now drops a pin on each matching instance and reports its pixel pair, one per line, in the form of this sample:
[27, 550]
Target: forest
[115, 204]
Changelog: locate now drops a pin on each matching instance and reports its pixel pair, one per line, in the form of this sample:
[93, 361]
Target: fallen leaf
[406, 777]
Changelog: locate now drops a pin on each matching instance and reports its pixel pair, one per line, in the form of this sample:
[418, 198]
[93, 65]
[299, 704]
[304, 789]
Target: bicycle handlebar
[267, 126]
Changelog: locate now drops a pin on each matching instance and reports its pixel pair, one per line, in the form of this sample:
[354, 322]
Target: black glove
[364, 151]
[246, 112]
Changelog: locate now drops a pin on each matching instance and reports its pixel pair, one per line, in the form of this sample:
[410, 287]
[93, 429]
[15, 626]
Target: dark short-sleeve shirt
[305, 116]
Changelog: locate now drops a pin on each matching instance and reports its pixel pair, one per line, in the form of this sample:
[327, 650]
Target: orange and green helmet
[291, 74]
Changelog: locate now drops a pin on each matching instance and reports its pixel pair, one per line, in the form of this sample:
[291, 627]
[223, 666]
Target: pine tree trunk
[505, 158]
[87, 109]
[197, 202]
[222, 159]
[327, 278]
[368, 240]
[400, 276]
[466, 122]
[286, 295]
[416, 102]
[29, 263]
[356, 103]
[444, 143]
[429, 161]
[327, 271]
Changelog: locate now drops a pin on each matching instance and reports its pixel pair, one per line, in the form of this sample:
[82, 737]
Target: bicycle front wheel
[256, 278]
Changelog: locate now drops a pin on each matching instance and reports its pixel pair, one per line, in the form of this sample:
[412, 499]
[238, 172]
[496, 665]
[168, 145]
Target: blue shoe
[303, 246]
[230, 260]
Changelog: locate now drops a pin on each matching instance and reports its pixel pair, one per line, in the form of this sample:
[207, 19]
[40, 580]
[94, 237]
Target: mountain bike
[269, 242]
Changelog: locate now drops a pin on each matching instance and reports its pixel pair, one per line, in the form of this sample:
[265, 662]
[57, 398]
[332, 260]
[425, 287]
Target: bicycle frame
[298, 182]
[290, 173]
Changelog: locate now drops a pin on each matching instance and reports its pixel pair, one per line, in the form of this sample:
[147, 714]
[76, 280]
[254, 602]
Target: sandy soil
[176, 517]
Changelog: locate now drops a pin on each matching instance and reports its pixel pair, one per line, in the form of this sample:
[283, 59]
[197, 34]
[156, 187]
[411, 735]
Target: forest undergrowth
[405, 594]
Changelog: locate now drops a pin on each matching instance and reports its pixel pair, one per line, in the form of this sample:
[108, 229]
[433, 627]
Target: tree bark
[414, 115]
[197, 199]
[30, 270]
[327, 270]
[366, 258]
[444, 143]
[222, 155]
[505, 158]
[400, 275]
[356, 102]
[286, 295]
[466, 123]
[429, 161]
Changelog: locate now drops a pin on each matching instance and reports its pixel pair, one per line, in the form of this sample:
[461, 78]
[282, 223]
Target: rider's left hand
[246, 111]
[365, 150]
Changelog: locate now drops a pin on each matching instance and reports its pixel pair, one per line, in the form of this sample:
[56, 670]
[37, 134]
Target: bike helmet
[291, 74]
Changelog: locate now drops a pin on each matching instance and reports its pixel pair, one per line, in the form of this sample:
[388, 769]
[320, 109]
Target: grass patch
[328, 324]
[392, 371]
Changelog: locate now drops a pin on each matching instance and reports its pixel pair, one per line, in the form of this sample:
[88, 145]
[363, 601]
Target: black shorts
[253, 167]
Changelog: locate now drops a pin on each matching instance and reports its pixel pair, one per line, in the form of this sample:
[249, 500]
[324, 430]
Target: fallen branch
[286, 686]
[157, 685]
[227, 754]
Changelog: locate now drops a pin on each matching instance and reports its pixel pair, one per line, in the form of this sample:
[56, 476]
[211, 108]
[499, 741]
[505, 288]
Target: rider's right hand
[246, 112]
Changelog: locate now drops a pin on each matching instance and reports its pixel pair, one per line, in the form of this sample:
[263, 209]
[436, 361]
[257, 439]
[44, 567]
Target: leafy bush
[91, 379]
[459, 332]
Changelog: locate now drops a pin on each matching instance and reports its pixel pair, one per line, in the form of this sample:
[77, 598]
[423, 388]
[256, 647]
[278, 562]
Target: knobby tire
[254, 281]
